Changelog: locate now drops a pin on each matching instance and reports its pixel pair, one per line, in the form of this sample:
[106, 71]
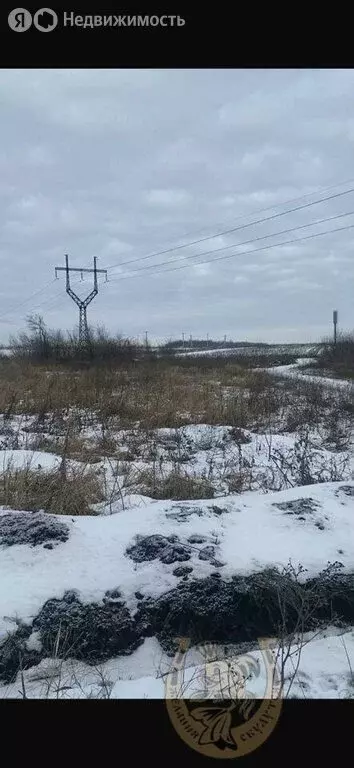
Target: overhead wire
[244, 242]
[242, 253]
[48, 302]
[22, 303]
[245, 215]
[233, 229]
[43, 304]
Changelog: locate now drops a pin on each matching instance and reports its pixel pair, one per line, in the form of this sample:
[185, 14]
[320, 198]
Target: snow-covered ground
[324, 672]
[295, 370]
[25, 459]
[250, 533]
[223, 459]
[291, 349]
[310, 526]
[272, 520]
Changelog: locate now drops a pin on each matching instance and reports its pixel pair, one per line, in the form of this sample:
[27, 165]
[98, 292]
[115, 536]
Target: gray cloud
[124, 163]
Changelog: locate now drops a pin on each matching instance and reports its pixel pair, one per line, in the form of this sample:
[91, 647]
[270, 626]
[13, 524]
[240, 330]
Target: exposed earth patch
[170, 549]
[303, 509]
[183, 512]
[246, 608]
[33, 528]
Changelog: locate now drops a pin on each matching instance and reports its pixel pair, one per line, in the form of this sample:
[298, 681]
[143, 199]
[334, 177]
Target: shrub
[54, 492]
[176, 486]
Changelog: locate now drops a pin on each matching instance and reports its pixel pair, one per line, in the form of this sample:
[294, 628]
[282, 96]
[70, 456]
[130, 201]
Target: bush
[54, 492]
[40, 344]
[176, 486]
[339, 357]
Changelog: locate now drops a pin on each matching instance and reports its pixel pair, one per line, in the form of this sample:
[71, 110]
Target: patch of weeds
[176, 486]
[239, 436]
[56, 492]
[298, 506]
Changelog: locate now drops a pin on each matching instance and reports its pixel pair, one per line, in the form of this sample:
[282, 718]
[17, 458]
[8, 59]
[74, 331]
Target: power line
[18, 306]
[242, 253]
[43, 304]
[32, 296]
[234, 229]
[49, 302]
[267, 208]
[274, 206]
[245, 242]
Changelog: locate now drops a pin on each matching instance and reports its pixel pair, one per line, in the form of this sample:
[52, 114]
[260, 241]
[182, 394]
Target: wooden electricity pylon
[84, 336]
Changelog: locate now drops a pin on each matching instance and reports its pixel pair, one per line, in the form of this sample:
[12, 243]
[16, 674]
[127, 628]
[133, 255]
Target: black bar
[221, 36]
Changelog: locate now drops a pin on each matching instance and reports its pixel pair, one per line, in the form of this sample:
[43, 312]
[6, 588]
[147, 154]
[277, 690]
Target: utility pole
[81, 303]
[183, 340]
[146, 339]
[335, 321]
[207, 339]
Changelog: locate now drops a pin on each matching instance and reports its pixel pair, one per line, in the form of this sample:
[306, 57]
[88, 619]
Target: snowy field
[282, 349]
[323, 673]
[260, 499]
[309, 527]
[295, 370]
[243, 534]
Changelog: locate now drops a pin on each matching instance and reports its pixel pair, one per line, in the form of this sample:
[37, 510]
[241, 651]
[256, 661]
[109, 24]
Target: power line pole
[81, 303]
[146, 339]
[183, 340]
[335, 321]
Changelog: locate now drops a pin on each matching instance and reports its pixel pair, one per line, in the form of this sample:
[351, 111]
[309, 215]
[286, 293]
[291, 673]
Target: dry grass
[153, 394]
[157, 393]
[338, 358]
[75, 447]
[175, 486]
[54, 492]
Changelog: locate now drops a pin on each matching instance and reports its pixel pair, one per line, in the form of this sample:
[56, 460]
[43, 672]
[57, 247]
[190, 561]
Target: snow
[212, 453]
[23, 459]
[248, 351]
[294, 371]
[324, 672]
[249, 535]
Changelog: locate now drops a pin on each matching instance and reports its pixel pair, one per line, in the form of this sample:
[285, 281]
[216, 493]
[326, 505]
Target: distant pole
[190, 340]
[183, 340]
[207, 339]
[335, 321]
[225, 337]
[146, 339]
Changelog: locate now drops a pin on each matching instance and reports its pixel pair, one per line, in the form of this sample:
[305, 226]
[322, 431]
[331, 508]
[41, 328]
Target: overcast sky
[120, 164]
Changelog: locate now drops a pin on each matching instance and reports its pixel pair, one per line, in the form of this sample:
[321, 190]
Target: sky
[124, 164]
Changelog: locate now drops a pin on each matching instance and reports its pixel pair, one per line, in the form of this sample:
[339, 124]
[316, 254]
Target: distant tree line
[171, 346]
[41, 344]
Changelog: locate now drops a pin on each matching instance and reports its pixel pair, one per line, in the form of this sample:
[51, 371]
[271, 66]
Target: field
[264, 351]
[142, 497]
